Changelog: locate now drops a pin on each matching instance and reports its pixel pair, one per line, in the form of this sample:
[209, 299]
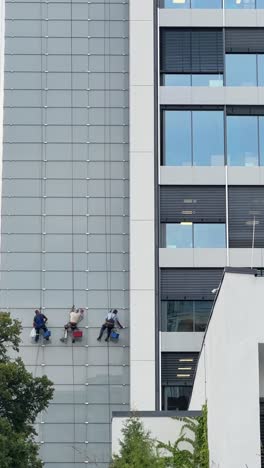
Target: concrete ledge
[209, 258]
[211, 175]
[206, 95]
[211, 18]
[192, 258]
[156, 414]
[181, 341]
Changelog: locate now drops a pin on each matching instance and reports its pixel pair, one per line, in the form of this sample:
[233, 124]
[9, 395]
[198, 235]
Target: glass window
[177, 316]
[242, 140]
[213, 81]
[176, 397]
[208, 138]
[179, 236]
[185, 316]
[197, 235]
[177, 136]
[240, 4]
[206, 3]
[209, 235]
[176, 3]
[261, 68]
[202, 313]
[241, 70]
[260, 3]
[177, 80]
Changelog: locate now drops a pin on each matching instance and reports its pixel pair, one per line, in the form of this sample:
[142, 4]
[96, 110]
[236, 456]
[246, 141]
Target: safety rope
[72, 233]
[42, 212]
[87, 244]
[106, 164]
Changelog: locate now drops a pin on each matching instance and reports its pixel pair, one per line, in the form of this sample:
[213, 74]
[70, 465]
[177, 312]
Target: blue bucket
[114, 335]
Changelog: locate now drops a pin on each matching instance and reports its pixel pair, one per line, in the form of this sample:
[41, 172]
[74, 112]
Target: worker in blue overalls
[39, 323]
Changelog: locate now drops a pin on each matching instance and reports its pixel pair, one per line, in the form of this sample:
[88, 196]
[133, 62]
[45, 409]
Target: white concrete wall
[142, 259]
[161, 429]
[228, 373]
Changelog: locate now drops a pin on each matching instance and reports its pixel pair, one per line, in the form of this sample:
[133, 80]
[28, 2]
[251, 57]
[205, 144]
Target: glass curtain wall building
[64, 232]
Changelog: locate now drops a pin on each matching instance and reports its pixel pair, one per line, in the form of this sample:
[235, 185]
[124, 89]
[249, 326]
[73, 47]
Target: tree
[137, 448]
[22, 398]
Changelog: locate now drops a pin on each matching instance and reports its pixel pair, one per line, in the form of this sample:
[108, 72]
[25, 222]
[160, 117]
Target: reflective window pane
[179, 236]
[208, 138]
[242, 140]
[206, 4]
[261, 67]
[260, 3]
[241, 70]
[185, 316]
[209, 235]
[202, 310]
[213, 81]
[178, 316]
[176, 3]
[240, 4]
[177, 136]
[177, 80]
[176, 398]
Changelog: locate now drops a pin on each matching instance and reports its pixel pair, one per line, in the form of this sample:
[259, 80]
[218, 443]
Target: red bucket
[77, 333]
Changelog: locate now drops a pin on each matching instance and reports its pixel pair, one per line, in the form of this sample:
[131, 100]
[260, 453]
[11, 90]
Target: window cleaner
[39, 323]
[75, 317]
[110, 321]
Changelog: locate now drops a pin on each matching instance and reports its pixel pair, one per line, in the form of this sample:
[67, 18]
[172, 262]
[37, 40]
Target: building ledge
[209, 258]
[211, 175]
[211, 18]
[207, 95]
[181, 341]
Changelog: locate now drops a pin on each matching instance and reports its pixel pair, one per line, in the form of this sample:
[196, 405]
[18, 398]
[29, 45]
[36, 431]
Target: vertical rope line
[72, 228]
[110, 209]
[124, 163]
[106, 26]
[87, 236]
[41, 163]
[72, 161]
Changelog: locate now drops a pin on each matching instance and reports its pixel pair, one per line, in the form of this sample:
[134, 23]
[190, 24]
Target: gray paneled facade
[65, 209]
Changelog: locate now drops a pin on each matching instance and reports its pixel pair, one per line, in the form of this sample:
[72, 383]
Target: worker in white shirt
[75, 317]
[110, 321]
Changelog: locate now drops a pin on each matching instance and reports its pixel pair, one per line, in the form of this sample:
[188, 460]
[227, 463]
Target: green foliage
[201, 450]
[137, 448]
[198, 454]
[16, 450]
[9, 334]
[175, 456]
[22, 397]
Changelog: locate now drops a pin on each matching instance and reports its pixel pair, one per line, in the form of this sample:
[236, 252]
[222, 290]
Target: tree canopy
[22, 398]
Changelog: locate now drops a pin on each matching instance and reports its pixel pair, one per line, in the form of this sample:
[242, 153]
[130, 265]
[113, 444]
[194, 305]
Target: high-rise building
[133, 153]
[65, 210]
